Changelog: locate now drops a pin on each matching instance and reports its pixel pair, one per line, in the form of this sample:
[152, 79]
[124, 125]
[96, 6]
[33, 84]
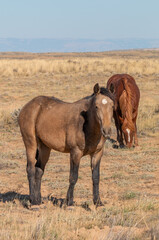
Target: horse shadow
[12, 196]
[114, 144]
[111, 143]
[57, 201]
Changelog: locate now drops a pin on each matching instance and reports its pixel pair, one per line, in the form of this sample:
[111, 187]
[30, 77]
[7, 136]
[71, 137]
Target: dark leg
[116, 124]
[42, 158]
[120, 140]
[75, 157]
[95, 166]
[37, 194]
[30, 151]
[118, 129]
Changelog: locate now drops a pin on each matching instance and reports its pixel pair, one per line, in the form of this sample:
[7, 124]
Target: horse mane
[127, 112]
[106, 92]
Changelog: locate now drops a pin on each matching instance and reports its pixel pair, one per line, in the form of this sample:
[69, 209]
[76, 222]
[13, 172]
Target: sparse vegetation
[128, 195]
[129, 178]
[104, 65]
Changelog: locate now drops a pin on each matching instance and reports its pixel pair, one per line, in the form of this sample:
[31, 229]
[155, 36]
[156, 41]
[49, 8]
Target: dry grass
[145, 70]
[74, 223]
[34, 67]
[129, 178]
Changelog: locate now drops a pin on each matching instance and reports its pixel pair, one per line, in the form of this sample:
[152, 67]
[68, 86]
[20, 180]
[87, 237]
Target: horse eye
[96, 107]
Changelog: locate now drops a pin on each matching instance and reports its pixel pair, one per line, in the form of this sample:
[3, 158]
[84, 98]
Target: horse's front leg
[75, 157]
[116, 124]
[121, 143]
[95, 166]
[118, 129]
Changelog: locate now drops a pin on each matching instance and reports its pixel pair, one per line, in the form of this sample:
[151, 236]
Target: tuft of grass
[117, 175]
[9, 118]
[128, 195]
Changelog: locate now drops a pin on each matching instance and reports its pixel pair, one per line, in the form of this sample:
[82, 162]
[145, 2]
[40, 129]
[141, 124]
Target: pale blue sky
[97, 19]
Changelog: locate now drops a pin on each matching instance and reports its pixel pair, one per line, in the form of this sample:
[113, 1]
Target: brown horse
[78, 128]
[127, 95]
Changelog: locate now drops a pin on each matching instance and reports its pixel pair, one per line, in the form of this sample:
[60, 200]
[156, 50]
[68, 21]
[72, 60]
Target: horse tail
[128, 92]
[129, 109]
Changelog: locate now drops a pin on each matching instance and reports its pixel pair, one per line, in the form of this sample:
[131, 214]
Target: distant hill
[40, 45]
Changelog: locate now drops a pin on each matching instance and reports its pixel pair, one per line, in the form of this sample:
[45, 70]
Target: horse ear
[96, 88]
[112, 90]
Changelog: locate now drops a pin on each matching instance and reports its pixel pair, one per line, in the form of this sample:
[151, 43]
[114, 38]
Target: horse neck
[93, 125]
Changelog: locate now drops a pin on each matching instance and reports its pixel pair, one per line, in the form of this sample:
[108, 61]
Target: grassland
[129, 178]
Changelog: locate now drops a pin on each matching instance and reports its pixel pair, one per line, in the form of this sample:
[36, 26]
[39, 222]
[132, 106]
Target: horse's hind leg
[35, 168]
[42, 156]
[75, 157]
[30, 152]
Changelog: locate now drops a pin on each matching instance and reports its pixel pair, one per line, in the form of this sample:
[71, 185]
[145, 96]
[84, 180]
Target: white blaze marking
[128, 131]
[104, 101]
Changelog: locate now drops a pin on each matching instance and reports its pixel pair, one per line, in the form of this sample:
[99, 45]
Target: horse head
[103, 109]
[128, 130]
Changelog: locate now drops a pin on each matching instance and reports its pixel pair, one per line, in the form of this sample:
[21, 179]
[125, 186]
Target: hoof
[69, 202]
[98, 203]
[122, 146]
[115, 146]
[35, 201]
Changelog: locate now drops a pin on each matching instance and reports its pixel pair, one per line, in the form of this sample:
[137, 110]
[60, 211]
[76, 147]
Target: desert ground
[129, 179]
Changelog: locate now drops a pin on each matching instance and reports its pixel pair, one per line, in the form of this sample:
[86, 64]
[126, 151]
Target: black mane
[103, 91]
[106, 92]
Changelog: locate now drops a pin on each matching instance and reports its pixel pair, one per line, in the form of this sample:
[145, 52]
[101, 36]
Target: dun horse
[78, 128]
[127, 95]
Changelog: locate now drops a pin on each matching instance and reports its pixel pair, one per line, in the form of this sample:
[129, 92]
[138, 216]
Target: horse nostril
[106, 132]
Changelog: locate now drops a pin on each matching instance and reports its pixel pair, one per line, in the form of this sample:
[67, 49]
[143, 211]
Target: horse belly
[52, 135]
[56, 142]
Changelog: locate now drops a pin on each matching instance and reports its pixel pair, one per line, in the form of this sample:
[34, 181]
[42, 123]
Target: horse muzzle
[106, 132]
